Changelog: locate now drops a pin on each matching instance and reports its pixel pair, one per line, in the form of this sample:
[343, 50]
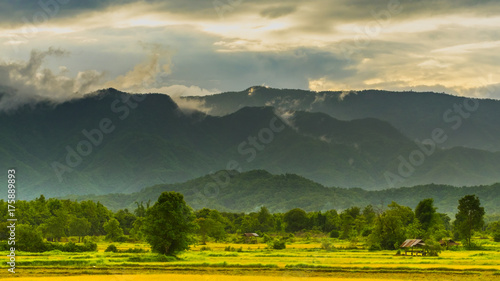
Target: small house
[414, 247]
[448, 243]
[250, 237]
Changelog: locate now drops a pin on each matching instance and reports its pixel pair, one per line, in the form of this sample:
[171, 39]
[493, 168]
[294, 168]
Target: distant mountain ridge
[468, 122]
[114, 142]
[248, 191]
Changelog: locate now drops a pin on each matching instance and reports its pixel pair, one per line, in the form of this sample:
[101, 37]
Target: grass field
[300, 261]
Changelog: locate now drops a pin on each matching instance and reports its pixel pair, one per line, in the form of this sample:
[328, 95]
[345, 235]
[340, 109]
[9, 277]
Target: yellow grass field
[188, 277]
[303, 260]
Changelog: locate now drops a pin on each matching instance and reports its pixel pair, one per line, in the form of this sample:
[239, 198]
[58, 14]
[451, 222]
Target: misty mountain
[114, 142]
[247, 192]
[467, 122]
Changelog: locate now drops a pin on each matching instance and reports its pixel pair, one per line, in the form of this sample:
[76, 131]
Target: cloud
[28, 82]
[180, 94]
[440, 45]
[277, 11]
[145, 74]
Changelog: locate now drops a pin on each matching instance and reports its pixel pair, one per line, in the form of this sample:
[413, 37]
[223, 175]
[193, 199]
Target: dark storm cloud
[326, 11]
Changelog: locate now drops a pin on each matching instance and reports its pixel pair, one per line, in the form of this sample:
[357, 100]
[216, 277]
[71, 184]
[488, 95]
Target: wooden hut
[414, 247]
[250, 237]
[448, 243]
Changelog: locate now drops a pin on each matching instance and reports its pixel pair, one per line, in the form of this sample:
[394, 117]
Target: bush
[472, 246]
[279, 245]
[71, 247]
[496, 237]
[334, 234]
[111, 248]
[205, 248]
[432, 248]
[326, 244]
[152, 258]
[121, 239]
[266, 238]
[376, 247]
[133, 250]
[29, 239]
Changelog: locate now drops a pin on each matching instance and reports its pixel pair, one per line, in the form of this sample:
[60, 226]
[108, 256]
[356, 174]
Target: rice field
[299, 261]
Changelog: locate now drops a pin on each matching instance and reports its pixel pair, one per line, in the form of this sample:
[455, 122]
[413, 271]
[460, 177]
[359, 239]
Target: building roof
[408, 243]
[448, 242]
[251, 234]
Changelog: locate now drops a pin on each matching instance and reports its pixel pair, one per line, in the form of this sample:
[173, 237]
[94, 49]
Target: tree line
[170, 225]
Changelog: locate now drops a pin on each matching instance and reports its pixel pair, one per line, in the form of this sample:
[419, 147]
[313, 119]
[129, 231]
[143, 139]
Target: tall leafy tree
[266, 222]
[470, 217]
[170, 224]
[425, 213]
[79, 227]
[296, 220]
[126, 220]
[393, 226]
[113, 230]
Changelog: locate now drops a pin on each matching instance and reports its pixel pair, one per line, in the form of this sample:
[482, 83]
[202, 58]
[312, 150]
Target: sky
[63, 49]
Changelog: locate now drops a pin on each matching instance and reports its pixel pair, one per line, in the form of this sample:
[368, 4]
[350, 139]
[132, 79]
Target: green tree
[296, 220]
[137, 229]
[266, 222]
[57, 225]
[126, 220]
[170, 224]
[79, 227]
[470, 217]
[369, 214]
[425, 213]
[392, 227]
[347, 222]
[29, 239]
[332, 221]
[211, 224]
[113, 230]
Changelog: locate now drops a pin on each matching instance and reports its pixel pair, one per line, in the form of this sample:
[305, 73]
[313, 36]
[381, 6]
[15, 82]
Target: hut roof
[448, 242]
[409, 243]
[251, 235]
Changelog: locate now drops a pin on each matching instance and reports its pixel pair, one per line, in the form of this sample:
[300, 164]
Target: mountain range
[469, 122]
[115, 142]
[248, 191]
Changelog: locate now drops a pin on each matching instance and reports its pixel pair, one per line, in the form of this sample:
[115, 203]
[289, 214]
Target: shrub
[326, 244]
[266, 238]
[133, 250]
[334, 234]
[376, 247]
[279, 244]
[152, 258]
[496, 237]
[205, 248]
[432, 248]
[72, 247]
[111, 248]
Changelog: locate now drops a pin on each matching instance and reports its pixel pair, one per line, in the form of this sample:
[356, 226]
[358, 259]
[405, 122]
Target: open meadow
[301, 260]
